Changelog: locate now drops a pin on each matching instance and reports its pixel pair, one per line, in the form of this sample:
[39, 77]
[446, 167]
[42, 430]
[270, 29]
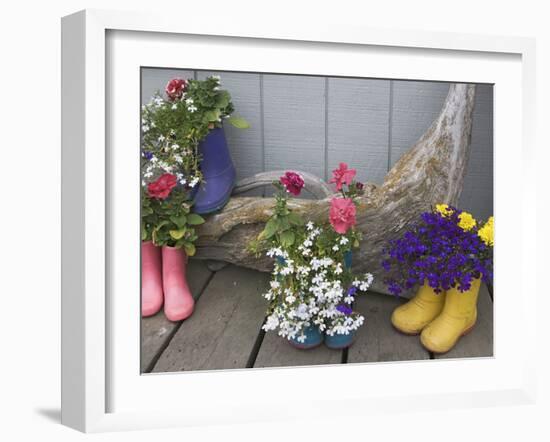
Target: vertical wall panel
[294, 123]
[358, 115]
[155, 79]
[357, 123]
[415, 106]
[245, 144]
[477, 194]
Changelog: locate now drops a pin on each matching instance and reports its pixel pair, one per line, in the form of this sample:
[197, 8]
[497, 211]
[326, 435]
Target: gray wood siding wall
[313, 123]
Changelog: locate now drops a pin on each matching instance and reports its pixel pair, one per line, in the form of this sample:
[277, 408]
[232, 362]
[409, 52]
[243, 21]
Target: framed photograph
[273, 224]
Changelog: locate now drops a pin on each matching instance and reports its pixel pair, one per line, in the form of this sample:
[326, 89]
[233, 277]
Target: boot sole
[406, 333]
[464, 333]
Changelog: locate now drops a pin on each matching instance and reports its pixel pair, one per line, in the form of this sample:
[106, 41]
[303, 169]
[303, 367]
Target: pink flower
[162, 187]
[342, 214]
[342, 176]
[175, 88]
[292, 182]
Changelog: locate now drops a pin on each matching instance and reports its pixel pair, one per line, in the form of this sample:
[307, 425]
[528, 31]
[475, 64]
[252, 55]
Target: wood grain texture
[294, 123]
[358, 114]
[432, 171]
[477, 194]
[377, 340]
[479, 342]
[222, 331]
[415, 106]
[245, 144]
[156, 330]
[277, 352]
[155, 79]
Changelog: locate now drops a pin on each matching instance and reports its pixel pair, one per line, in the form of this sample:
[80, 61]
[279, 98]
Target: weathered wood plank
[155, 79]
[222, 331]
[358, 115]
[415, 106]
[477, 194]
[377, 340]
[155, 330]
[277, 352]
[479, 342]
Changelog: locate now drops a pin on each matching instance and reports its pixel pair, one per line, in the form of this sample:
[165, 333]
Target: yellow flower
[443, 209]
[486, 233]
[466, 221]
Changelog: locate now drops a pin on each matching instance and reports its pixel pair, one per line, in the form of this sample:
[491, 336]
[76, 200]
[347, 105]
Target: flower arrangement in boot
[448, 256]
[312, 291]
[174, 126]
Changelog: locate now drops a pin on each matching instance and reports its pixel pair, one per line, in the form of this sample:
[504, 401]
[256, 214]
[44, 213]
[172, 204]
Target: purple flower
[148, 155]
[344, 309]
[436, 250]
[352, 290]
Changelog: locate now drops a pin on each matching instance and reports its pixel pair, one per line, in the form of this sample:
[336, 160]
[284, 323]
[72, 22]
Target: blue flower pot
[347, 259]
[314, 338]
[218, 171]
[339, 341]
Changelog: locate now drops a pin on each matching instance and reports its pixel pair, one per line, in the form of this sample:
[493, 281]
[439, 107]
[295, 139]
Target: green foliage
[171, 133]
[169, 222]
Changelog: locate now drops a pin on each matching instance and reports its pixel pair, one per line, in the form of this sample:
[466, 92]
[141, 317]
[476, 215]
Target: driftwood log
[431, 171]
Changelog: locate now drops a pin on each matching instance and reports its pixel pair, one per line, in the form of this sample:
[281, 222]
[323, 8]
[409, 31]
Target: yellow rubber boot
[412, 317]
[458, 317]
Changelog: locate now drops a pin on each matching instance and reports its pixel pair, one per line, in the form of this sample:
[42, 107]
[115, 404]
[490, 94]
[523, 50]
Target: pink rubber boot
[178, 301]
[151, 279]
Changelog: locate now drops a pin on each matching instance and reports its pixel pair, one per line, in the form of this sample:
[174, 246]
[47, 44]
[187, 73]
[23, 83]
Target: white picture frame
[101, 390]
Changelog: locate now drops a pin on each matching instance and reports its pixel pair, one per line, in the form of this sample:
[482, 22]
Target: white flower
[192, 109]
[161, 138]
[174, 106]
[309, 225]
[275, 284]
[216, 77]
[189, 101]
[338, 270]
[290, 299]
[335, 247]
[194, 181]
[344, 240]
[178, 158]
[145, 128]
[175, 146]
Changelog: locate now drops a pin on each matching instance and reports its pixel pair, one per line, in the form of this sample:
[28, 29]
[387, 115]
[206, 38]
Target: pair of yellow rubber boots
[441, 319]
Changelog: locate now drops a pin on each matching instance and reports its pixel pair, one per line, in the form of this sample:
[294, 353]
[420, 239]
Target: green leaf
[223, 99]
[194, 220]
[189, 249]
[287, 238]
[239, 122]
[270, 229]
[143, 232]
[177, 234]
[212, 115]
[179, 221]
[295, 219]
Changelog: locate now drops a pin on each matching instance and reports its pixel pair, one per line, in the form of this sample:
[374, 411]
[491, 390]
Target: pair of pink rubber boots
[163, 281]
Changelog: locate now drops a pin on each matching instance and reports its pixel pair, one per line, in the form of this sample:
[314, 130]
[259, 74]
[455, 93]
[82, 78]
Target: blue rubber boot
[218, 172]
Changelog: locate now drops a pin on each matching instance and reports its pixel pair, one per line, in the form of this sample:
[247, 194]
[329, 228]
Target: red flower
[292, 182]
[162, 187]
[342, 175]
[175, 88]
[342, 214]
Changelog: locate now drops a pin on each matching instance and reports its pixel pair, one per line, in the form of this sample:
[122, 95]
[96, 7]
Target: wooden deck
[225, 330]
